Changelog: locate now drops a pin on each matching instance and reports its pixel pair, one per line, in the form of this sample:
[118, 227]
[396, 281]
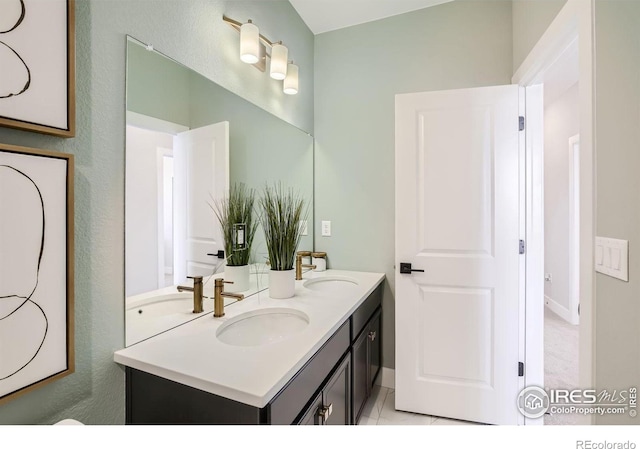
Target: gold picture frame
[36, 268]
[31, 100]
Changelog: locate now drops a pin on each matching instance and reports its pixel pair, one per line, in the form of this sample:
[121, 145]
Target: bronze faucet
[300, 265]
[197, 293]
[218, 297]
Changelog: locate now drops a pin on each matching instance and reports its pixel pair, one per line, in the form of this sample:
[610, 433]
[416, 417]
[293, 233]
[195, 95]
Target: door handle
[405, 268]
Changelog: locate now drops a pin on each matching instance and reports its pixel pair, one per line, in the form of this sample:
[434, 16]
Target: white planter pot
[239, 275]
[282, 284]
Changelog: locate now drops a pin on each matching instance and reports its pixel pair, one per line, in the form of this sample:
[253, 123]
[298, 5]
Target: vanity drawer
[361, 316]
[291, 400]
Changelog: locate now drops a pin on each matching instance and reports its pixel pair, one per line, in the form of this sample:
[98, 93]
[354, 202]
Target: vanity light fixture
[290, 86]
[249, 43]
[278, 67]
[253, 51]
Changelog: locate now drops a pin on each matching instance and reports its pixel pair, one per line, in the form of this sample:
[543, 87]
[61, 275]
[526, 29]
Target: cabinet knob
[325, 411]
[372, 335]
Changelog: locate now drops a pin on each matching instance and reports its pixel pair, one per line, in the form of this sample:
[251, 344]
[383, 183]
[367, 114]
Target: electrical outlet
[326, 228]
[304, 227]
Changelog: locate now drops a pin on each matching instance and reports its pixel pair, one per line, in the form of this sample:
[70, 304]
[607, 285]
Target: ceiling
[328, 15]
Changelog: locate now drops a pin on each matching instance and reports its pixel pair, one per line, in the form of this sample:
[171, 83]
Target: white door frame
[575, 21]
[574, 229]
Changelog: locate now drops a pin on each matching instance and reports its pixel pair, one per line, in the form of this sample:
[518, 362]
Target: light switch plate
[612, 257]
[326, 228]
[304, 227]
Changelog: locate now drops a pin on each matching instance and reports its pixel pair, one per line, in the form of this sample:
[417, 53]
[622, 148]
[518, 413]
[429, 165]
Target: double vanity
[310, 359]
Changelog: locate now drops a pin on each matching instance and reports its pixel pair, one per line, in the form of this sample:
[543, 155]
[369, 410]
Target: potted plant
[238, 224]
[282, 211]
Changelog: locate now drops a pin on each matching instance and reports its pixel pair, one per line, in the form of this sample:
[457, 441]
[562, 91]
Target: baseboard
[559, 310]
[387, 378]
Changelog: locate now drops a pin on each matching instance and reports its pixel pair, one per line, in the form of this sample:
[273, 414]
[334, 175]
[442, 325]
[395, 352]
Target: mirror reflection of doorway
[149, 208]
[166, 219]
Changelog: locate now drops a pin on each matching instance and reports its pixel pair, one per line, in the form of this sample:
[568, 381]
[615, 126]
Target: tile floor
[380, 410]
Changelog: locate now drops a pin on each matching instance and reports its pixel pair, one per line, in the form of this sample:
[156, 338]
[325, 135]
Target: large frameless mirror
[187, 141]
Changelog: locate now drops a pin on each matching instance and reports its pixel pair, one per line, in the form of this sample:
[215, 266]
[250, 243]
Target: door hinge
[521, 123]
[520, 369]
[522, 247]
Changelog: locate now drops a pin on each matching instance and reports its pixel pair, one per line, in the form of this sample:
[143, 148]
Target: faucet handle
[195, 278]
[220, 281]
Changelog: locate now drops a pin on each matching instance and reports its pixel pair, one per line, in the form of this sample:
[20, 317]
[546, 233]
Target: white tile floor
[380, 410]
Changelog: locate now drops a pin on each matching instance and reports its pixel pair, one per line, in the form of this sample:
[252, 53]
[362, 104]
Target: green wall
[157, 86]
[358, 72]
[531, 18]
[617, 131]
[192, 32]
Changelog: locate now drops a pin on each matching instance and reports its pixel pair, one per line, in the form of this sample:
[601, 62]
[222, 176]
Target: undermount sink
[162, 305]
[335, 285]
[262, 327]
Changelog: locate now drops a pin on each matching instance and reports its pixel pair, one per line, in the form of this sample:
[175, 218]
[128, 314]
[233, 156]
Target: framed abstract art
[36, 268]
[37, 57]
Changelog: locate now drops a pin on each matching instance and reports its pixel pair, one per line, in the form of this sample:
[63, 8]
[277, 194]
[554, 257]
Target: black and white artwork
[36, 74]
[35, 299]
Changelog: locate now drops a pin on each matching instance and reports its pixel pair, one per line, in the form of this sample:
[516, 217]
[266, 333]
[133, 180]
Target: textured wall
[190, 31]
[531, 18]
[617, 133]
[358, 72]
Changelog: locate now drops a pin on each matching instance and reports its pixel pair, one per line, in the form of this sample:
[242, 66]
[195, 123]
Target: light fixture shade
[249, 43]
[279, 57]
[291, 81]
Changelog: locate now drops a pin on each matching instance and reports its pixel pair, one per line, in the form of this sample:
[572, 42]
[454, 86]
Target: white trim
[522, 232]
[160, 214]
[534, 309]
[574, 229]
[387, 378]
[558, 309]
[154, 124]
[560, 35]
[575, 21]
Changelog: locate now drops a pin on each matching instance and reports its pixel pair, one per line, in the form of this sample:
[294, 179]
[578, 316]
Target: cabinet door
[375, 347]
[336, 395]
[361, 378]
[312, 415]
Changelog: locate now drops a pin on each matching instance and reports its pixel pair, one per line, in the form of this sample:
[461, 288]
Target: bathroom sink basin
[332, 285]
[154, 314]
[262, 327]
[163, 305]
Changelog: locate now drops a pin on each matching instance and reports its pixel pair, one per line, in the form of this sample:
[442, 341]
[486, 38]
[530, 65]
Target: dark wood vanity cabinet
[366, 354]
[331, 388]
[332, 406]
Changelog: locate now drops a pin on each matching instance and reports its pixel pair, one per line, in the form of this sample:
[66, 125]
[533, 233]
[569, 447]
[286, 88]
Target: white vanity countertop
[192, 355]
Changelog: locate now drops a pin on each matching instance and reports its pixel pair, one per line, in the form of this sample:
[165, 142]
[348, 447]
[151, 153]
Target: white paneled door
[458, 203]
[201, 175]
